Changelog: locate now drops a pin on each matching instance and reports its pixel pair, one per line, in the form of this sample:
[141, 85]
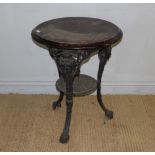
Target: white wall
[26, 68]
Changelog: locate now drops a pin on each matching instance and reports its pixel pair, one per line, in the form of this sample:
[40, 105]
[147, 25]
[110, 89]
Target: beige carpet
[28, 123]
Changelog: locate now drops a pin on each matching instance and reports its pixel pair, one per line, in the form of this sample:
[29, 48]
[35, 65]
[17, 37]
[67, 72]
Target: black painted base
[68, 63]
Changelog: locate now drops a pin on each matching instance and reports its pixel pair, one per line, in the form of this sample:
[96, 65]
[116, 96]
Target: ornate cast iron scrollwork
[78, 56]
[68, 63]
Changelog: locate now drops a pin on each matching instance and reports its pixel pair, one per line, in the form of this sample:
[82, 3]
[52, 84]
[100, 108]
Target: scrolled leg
[68, 67]
[103, 55]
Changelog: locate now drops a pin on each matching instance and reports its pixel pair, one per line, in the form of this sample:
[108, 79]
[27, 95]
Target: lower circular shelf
[82, 85]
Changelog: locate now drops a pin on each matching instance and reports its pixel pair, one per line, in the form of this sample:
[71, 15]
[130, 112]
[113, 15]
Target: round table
[70, 42]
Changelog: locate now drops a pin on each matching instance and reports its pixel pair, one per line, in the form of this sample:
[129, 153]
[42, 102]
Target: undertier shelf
[82, 85]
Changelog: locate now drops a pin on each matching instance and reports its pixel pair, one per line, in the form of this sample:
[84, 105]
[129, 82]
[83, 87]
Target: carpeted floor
[28, 123]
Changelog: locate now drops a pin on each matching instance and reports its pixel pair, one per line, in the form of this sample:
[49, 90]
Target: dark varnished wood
[77, 32]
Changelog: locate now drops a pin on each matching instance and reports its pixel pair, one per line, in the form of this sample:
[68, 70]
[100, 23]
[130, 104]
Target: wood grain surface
[77, 32]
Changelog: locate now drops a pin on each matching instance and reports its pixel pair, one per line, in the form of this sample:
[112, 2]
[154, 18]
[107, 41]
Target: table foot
[64, 138]
[109, 114]
[58, 102]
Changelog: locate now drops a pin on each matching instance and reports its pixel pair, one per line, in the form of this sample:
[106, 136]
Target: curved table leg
[58, 102]
[67, 66]
[103, 55]
[69, 103]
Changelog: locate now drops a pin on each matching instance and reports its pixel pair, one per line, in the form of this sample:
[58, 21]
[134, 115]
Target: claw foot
[64, 138]
[56, 104]
[109, 114]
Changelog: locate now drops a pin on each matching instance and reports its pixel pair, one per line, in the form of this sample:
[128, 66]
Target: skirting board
[48, 87]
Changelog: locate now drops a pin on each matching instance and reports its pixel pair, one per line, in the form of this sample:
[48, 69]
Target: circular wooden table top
[77, 33]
